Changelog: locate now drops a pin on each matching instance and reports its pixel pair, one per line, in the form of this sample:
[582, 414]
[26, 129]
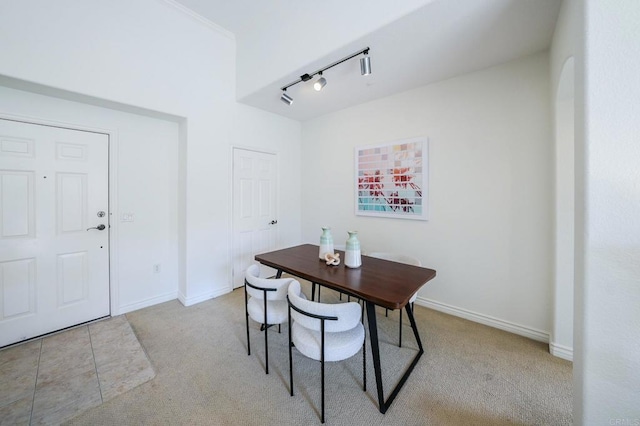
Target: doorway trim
[112, 135]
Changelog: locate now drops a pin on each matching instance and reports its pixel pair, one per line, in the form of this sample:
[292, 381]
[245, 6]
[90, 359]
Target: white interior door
[254, 209]
[54, 271]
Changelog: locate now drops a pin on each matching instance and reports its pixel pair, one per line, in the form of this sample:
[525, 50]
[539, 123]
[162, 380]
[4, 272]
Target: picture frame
[391, 179]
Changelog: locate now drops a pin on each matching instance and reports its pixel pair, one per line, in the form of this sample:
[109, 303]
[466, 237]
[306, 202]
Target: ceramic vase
[326, 243]
[352, 258]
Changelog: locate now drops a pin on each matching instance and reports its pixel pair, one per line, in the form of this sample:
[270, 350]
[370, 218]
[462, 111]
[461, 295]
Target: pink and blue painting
[391, 179]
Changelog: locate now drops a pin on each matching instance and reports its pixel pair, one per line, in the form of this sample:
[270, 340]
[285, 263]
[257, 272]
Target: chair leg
[400, 331]
[266, 345]
[290, 357]
[246, 314]
[364, 355]
[322, 385]
[322, 368]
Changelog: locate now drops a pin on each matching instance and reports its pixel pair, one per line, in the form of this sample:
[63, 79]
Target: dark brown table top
[383, 282]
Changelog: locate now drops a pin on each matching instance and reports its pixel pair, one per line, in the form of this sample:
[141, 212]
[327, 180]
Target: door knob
[100, 227]
[273, 222]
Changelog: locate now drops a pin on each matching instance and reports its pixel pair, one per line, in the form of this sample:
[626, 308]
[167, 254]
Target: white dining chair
[400, 258]
[265, 301]
[324, 332]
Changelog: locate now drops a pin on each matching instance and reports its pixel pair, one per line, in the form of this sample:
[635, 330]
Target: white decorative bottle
[326, 243]
[352, 258]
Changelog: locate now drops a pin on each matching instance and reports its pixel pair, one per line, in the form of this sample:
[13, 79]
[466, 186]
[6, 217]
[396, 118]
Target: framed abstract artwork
[392, 179]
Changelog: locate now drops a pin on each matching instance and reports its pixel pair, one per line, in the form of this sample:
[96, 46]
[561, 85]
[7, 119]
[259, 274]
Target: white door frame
[114, 293]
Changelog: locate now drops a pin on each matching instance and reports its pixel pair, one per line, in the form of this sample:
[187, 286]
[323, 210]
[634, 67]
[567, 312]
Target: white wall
[150, 55]
[144, 54]
[490, 158]
[603, 37]
[609, 254]
[144, 184]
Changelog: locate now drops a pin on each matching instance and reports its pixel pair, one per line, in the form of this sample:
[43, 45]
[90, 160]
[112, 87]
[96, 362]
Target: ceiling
[438, 40]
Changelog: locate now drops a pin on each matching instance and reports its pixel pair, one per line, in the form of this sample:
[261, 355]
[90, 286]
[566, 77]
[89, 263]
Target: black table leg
[414, 327]
[375, 350]
[279, 273]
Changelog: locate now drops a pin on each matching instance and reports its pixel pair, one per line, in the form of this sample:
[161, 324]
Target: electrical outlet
[156, 268]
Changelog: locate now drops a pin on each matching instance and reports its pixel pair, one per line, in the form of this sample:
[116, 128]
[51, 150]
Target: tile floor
[52, 379]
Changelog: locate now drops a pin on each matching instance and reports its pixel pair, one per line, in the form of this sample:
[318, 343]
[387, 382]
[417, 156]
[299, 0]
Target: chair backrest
[278, 287]
[396, 258]
[348, 314]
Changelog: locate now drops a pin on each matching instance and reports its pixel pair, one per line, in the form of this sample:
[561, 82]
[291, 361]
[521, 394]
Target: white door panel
[18, 285]
[18, 205]
[54, 273]
[254, 209]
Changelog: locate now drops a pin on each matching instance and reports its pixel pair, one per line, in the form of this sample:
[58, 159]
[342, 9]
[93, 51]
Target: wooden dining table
[377, 282]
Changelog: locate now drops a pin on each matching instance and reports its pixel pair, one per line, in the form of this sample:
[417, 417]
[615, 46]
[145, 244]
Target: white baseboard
[561, 351]
[518, 329]
[190, 301]
[147, 302]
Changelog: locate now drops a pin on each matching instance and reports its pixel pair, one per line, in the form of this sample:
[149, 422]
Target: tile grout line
[95, 365]
[35, 384]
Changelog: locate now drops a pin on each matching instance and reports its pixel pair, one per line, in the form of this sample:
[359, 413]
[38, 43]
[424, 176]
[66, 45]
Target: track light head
[320, 83]
[286, 98]
[365, 64]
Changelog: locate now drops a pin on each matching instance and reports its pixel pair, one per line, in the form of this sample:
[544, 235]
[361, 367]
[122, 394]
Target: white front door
[54, 269]
[254, 208]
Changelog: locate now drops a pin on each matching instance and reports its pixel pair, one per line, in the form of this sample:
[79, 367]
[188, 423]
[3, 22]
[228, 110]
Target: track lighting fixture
[286, 98]
[365, 69]
[320, 83]
[365, 64]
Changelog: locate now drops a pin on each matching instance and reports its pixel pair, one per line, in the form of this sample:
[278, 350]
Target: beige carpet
[470, 374]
